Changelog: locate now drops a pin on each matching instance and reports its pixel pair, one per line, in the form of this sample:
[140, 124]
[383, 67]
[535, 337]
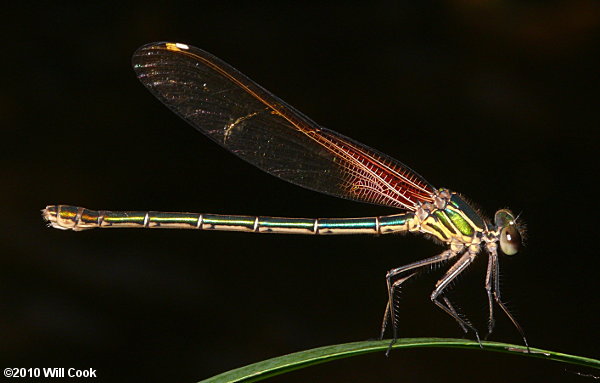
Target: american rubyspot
[258, 127]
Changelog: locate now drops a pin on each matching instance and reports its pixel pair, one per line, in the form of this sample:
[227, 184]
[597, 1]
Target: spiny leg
[449, 305]
[498, 298]
[489, 275]
[402, 269]
[390, 309]
[443, 283]
[464, 323]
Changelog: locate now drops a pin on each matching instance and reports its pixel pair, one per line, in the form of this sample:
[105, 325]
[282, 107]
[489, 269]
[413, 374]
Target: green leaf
[270, 367]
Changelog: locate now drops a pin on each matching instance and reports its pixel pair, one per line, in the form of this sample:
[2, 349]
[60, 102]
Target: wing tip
[147, 49]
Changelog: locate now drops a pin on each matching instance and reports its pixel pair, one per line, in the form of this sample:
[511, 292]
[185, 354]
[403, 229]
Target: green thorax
[456, 221]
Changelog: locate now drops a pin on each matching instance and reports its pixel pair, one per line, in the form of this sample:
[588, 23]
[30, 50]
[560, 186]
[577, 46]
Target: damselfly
[258, 127]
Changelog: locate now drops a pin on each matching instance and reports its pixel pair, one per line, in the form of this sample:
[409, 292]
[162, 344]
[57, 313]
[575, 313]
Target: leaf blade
[282, 364]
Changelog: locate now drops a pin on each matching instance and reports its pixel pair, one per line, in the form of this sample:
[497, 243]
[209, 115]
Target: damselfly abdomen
[255, 125]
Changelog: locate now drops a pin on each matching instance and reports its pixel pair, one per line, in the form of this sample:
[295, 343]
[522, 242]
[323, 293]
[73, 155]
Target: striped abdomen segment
[68, 217]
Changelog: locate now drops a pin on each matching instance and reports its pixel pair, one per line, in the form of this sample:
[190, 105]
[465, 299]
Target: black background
[497, 100]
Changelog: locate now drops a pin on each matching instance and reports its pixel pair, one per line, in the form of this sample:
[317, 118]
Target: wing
[260, 128]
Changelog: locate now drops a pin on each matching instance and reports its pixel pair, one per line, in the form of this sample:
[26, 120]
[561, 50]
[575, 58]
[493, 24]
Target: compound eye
[510, 240]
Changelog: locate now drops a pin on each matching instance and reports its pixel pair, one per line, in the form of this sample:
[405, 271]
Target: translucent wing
[260, 128]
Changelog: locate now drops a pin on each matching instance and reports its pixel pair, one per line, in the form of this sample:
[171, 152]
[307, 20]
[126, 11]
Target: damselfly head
[510, 235]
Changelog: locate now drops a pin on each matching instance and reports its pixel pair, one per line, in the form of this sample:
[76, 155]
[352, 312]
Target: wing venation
[258, 127]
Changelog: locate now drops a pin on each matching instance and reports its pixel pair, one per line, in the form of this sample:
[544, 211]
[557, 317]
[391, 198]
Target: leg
[443, 283]
[389, 310]
[455, 313]
[489, 290]
[498, 299]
